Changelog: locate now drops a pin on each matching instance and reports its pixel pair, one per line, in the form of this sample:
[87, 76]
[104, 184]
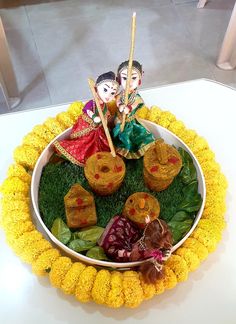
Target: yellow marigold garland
[115, 297]
[71, 278]
[112, 288]
[101, 287]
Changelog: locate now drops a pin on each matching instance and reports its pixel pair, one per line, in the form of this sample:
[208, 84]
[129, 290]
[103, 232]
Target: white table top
[209, 294]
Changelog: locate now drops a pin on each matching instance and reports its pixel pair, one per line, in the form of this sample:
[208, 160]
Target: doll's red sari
[86, 138]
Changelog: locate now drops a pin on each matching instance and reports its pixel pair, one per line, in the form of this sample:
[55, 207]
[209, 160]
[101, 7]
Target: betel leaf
[179, 225]
[188, 172]
[192, 200]
[92, 233]
[61, 231]
[180, 216]
[97, 253]
[79, 245]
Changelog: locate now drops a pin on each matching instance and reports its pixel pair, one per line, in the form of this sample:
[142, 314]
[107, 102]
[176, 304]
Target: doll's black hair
[125, 64]
[106, 76]
[135, 64]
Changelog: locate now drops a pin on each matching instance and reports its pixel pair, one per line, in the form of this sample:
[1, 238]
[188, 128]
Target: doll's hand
[121, 108]
[90, 113]
[97, 120]
[126, 110]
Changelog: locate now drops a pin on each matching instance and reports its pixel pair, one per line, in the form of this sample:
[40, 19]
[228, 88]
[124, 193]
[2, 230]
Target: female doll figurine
[87, 136]
[135, 139]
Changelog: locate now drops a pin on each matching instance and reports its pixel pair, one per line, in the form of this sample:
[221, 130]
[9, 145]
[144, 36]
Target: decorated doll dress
[135, 138]
[86, 138]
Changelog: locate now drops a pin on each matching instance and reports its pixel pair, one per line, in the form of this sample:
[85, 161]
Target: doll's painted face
[134, 82]
[107, 91]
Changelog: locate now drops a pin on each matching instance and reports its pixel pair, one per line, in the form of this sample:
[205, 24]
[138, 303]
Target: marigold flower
[200, 144]
[205, 238]
[43, 132]
[188, 136]
[115, 297]
[177, 127]
[15, 196]
[85, 284]
[14, 185]
[149, 290]
[27, 238]
[133, 293]
[17, 170]
[31, 252]
[166, 118]
[13, 217]
[205, 156]
[19, 205]
[101, 286]
[154, 114]
[219, 221]
[159, 285]
[142, 113]
[169, 279]
[15, 230]
[32, 139]
[42, 265]
[189, 257]
[26, 155]
[59, 269]
[71, 278]
[179, 266]
[196, 247]
[210, 227]
[54, 126]
[75, 109]
[65, 119]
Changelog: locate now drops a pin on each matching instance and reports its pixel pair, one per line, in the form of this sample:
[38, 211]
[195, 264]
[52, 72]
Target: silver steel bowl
[157, 131]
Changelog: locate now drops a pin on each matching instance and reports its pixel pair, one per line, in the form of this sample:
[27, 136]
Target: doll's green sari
[135, 138]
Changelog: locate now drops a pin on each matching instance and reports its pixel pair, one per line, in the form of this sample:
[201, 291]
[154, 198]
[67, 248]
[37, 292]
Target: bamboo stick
[104, 123]
[131, 54]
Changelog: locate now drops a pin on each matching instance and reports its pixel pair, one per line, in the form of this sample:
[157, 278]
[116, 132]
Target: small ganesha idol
[132, 141]
[87, 136]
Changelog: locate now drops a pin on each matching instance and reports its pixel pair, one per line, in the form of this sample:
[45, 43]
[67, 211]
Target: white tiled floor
[56, 46]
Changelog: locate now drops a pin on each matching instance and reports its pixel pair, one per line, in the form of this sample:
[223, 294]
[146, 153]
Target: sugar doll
[134, 139]
[87, 136]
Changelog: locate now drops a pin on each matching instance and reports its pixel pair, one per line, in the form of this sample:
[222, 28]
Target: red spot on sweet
[132, 211]
[145, 196]
[79, 201]
[97, 176]
[110, 185]
[154, 168]
[173, 160]
[99, 156]
[118, 168]
[83, 222]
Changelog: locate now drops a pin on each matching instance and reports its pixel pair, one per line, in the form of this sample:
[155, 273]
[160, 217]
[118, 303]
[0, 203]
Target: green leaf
[97, 253]
[79, 245]
[61, 231]
[180, 216]
[92, 233]
[192, 200]
[179, 229]
[188, 172]
[191, 205]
